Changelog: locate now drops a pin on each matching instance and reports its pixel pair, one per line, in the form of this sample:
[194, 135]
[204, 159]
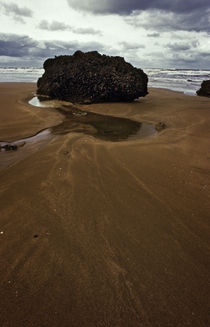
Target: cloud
[131, 46]
[16, 46]
[59, 26]
[190, 51]
[87, 30]
[182, 46]
[181, 59]
[21, 46]
[196, 60]
[126, 7]
[156, 15]
[153, 34]
[54, 26]
[18, 13]
[56, 48]
[162, 21]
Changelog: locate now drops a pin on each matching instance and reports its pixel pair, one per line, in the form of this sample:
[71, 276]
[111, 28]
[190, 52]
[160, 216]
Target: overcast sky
[148, 33]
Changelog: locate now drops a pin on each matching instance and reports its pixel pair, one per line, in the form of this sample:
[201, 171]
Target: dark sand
[96, 233]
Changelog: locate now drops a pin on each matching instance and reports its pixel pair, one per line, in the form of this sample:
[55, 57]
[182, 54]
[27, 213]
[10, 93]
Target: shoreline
[56, 115]
[97, 233]
[185, 80]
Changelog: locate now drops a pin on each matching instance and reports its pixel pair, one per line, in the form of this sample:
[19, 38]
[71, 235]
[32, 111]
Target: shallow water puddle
[104, 127]
[108, 128]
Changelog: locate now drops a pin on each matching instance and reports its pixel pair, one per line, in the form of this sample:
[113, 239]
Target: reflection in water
[104, 127]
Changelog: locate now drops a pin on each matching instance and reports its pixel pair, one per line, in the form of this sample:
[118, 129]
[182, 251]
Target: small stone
[10, 147]
[160, 126]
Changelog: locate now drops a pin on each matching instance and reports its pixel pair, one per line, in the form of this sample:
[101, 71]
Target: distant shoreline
[182, 80]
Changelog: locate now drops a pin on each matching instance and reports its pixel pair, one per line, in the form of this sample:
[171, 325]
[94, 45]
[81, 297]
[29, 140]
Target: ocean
[187, 81]
[181, 80]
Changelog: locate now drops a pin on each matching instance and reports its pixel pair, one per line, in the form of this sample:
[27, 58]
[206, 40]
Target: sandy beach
[100, 233]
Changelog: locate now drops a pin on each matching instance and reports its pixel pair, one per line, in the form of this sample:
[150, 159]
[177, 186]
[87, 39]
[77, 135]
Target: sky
[147, 33]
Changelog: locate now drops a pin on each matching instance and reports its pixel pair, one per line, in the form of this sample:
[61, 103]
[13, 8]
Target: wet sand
[101, 233]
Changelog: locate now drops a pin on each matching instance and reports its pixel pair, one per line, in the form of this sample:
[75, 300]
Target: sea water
[181, 80]
[19, 74]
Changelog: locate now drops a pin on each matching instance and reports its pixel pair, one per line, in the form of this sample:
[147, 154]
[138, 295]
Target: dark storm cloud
[59, 26]
[126, 7]
[180, 54]
[12, 45]
[18, 13]
[198, 60]
[15, 46]
[157, 15]
[180, 59]
[163, 22]
[183, 46]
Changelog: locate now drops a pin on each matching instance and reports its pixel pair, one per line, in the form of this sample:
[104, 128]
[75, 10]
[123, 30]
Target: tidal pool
[104, 127]
[108, 128]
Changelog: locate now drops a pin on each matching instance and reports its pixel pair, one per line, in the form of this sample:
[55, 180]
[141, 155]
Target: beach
[102, 233]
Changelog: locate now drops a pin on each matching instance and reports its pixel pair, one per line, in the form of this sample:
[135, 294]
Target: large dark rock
[91, 77]
[205, 89]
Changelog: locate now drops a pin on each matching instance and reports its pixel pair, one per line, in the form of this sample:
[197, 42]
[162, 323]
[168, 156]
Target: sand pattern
[97, 233]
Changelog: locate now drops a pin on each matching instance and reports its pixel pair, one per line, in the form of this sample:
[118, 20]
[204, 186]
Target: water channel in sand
[104, 127]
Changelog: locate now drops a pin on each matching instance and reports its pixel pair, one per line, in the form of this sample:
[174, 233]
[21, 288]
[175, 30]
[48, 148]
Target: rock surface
[9, 147]
[205, 89]
[90, 78]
